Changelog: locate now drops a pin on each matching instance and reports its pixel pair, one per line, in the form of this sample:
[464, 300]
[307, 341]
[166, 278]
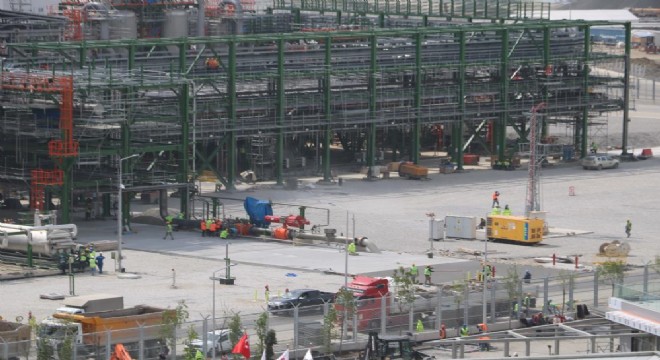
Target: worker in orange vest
[202, 226]
[483, 345]
[496, 199]
[443, 331]
[213, 228]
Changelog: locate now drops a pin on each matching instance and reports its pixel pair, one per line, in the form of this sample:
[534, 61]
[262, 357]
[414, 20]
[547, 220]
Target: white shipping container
[463, 227]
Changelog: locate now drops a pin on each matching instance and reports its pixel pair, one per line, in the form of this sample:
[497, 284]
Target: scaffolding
[270, 96]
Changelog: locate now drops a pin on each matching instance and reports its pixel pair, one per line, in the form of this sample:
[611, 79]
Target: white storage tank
[176, 24]
[123, 25]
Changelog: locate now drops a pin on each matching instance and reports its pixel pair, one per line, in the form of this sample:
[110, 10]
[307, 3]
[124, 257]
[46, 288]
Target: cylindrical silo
[176, 24]
[123, 25]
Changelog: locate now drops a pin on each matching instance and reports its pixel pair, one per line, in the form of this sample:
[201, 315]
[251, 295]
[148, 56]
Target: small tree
[458, 290]
[612, 270]
[270, 342]
[173, 320]
[512, 286]
[328, 332]
[656, 264]
[235, 331]
[567, 278]
[190, 352]
[346, 299]
[404, 288]
[261, 327]
[44, 349]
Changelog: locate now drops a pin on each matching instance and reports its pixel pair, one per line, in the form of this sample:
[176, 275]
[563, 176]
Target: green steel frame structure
[156, 97]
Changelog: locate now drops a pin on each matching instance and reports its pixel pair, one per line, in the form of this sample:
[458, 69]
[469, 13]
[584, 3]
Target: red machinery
[283, 232]
[292, 220]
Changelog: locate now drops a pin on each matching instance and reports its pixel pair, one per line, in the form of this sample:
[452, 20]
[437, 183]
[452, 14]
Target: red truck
[369, 294]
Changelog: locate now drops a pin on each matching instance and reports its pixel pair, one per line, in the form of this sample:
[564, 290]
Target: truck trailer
[14, 340]
[94, 333]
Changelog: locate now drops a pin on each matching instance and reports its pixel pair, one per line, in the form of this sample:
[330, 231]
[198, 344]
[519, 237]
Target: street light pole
[213, 278]
[119, 210]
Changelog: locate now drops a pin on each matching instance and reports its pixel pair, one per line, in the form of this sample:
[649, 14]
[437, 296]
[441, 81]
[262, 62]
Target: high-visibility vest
[465, 331]
[443, 332]
[202, 225]
[413, 270]
[420, 326]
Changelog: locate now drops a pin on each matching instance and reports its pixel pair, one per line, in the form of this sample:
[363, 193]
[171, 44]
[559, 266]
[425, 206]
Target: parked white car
[600, 162]
[218, 340]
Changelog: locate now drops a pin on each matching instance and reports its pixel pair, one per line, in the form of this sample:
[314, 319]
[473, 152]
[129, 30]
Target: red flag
[242, 347]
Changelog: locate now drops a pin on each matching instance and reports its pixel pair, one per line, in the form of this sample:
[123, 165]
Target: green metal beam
[585, 90]
[231, 104]
[260, 38]
[281, 113]
[499, 128]
[417, 126]
[327, 110]
[458, 144]
[626, 90]
[184, 149]
[373, 92]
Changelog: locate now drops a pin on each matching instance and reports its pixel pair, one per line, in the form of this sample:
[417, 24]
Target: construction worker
[224, 233]
[496, 210]
[202, 226]
[496, 199]
[628, 227]
[483, 345]
[181, 216]
[506, 211]
[516, 309]
[208, 226]
[92, 264]
[420, 326]
[168, 231]
[213, 228]
[527, 302]
[594, 148]
[443, 331]
[527, 278]
[351, 248]
[427, 275]
[464, 331]
[414, 273]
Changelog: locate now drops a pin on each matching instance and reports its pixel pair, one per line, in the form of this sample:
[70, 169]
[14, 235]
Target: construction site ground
[390, 212]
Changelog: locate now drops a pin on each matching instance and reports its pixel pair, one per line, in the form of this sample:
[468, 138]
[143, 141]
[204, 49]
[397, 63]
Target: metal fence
[297, 329]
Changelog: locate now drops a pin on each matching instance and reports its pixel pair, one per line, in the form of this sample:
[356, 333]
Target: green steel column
[417, 128]
[381, 20]
[281, 112]
[182, 57]
[131, 57]
[546, 64]
[327, 109]
[82, 56]
[373, 67]
[231, 104]
[184, 149]
[458, 141]
[626, 90]
[585, 90]
[499, 128]
[106, 201]
[67, 187]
